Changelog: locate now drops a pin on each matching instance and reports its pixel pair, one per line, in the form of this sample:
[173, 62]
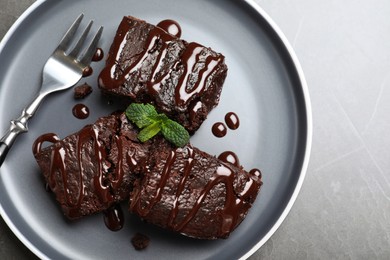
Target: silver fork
[63, 69]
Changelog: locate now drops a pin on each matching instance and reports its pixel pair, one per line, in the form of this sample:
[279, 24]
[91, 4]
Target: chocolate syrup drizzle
[113, 217]
[185, 88]
[58, 165]
[224, 173]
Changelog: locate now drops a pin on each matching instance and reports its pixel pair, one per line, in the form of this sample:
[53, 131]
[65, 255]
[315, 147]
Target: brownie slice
[93, 169]
[147, 64]
[192, 192]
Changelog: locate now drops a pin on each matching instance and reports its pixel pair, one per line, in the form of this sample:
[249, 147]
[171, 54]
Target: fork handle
[3, 152]
[17, 127]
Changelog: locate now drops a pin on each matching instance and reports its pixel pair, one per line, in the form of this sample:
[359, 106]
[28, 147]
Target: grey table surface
[343, 210]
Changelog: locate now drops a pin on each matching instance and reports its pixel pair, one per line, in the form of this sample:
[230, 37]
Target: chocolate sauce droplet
[80, 111]
[219, 129]
[113, 218]
[256, 172]
[171, 27]
[49, 137]
[229, 157]
[98, 56]
[87, 71]
[232, 120]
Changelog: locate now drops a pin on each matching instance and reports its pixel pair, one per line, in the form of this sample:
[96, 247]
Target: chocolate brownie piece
[93, 169]
[82, 91]
[147, 64]
[140, 241]
[192, 192]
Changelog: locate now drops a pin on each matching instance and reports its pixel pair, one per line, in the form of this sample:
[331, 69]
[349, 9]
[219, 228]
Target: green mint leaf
[151, 123]
[174, 132]
[141, 114]
[149, 131]
[160, 118]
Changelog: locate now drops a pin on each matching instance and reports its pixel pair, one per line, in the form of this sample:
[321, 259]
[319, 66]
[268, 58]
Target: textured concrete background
[343, 211]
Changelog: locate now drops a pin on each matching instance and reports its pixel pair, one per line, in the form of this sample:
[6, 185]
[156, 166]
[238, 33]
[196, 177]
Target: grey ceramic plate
[265, 87]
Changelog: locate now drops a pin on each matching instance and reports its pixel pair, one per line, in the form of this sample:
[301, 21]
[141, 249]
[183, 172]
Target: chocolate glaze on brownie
[147, 64]
[93, 169]
[191, 192]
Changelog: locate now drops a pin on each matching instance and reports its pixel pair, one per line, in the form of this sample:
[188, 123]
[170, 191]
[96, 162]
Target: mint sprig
[151, 123]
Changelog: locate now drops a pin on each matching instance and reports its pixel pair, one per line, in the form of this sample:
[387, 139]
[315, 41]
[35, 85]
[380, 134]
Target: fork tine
[90, 51]
[80, 42]
[65, 42]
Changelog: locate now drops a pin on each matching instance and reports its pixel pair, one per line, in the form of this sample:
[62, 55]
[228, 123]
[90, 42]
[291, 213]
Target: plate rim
[309, 124]
[277, 32]
[3, 213]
